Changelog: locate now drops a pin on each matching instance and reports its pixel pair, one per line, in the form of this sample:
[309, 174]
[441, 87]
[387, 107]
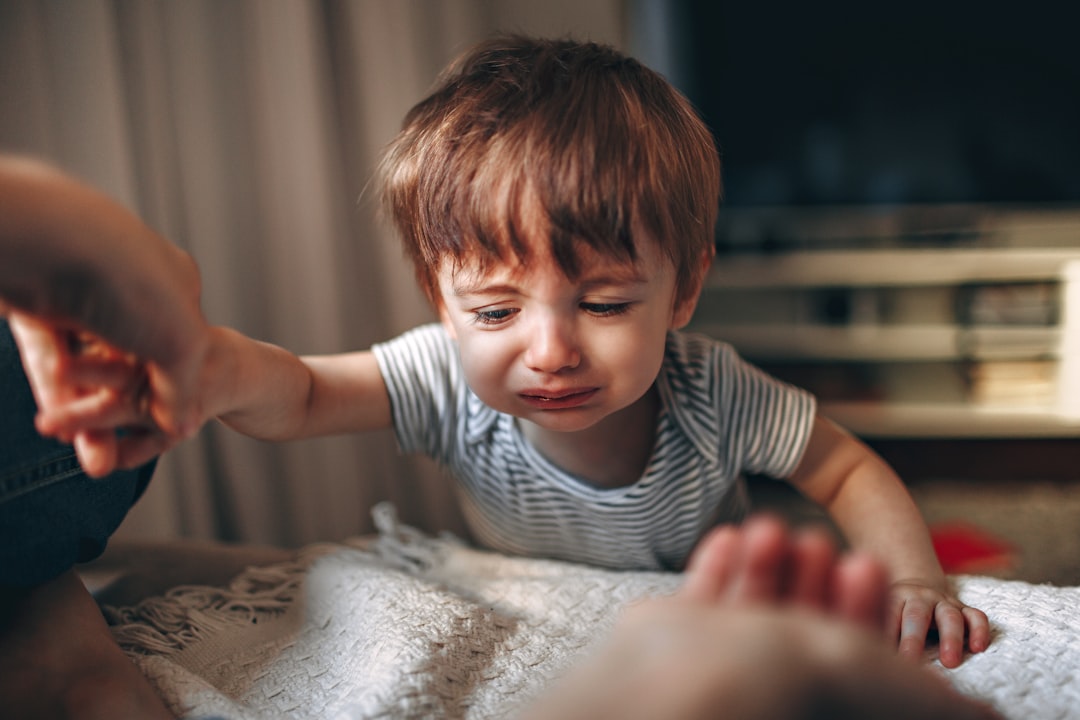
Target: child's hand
[86, 390]
[916, 606]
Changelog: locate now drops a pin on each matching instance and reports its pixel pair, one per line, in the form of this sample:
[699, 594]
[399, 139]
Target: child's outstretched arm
[256, 388]
[876, 513]
[269, 393]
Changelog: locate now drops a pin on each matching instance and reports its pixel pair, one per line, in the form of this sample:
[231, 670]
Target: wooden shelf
[951, 420]
[907, 276]
[879, 343]
[885, 268]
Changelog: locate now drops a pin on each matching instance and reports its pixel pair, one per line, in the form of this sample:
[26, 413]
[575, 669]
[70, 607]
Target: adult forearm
[69, 253]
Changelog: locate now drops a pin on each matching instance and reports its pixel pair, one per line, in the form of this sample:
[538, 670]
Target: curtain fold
[246, 131]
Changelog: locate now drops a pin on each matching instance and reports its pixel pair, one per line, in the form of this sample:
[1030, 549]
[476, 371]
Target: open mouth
[558, 400]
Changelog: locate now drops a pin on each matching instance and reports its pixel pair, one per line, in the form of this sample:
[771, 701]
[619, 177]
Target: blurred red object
[965, 548]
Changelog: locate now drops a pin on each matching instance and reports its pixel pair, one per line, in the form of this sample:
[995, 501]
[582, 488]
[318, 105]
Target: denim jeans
[52, 515]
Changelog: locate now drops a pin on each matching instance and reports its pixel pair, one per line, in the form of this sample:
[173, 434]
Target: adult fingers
[118, 373]
[97, 452]
[763, 562]
[813, 561]
[711, 565]
[102, 410]
[861, 591]
[740, 564]
[45, 355]
[139, 447]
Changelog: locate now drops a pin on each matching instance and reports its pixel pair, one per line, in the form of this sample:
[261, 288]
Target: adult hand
[72, 372]
[766, 625]
[73, 261]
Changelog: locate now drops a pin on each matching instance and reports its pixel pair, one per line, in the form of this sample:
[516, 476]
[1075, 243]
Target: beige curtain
[246, 131]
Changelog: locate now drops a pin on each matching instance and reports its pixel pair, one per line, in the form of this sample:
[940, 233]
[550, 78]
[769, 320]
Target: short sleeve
[424, 381]
[765, 422]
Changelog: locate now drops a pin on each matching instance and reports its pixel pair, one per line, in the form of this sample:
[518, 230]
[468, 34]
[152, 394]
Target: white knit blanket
[412, 626]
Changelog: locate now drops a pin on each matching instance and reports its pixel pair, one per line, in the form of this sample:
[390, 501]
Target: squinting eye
[493, 317]
[605, 308]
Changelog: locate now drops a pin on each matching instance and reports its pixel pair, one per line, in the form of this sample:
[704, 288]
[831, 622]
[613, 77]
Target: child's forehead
[478, 265]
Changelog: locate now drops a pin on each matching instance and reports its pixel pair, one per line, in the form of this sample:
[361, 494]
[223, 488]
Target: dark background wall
[888, 103]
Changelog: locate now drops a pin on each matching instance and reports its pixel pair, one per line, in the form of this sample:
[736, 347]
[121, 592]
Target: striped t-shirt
[720, 417]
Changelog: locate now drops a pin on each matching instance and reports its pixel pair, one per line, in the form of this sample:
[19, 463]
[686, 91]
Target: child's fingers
[978, 628]
[950, 626]
[915, 622]
[893, 612]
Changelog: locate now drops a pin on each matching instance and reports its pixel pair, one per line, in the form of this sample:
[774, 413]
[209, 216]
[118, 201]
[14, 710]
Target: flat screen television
[887, 104]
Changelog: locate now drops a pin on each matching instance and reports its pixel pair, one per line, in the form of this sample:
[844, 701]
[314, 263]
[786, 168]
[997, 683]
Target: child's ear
[684, 309]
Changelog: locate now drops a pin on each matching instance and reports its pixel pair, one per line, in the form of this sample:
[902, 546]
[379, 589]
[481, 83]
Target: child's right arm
[268, 393]
[254, 387]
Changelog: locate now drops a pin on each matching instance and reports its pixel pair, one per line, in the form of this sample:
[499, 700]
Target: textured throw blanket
[411, 626]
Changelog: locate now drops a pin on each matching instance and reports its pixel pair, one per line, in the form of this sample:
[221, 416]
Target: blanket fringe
[166, 624]
[403, 547]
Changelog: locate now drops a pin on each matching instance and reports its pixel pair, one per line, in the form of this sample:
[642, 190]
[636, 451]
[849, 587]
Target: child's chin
[564, 420]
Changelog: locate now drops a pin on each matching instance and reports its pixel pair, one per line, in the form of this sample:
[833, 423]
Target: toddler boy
[558, 201]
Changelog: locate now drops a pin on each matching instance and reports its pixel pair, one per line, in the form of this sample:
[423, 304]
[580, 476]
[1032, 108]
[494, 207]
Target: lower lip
[563, 403]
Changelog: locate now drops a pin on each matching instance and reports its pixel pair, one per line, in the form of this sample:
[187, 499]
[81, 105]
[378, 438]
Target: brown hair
[592, 137]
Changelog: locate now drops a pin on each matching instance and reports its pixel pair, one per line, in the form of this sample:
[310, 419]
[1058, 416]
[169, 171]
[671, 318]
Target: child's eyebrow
[623, 278]
[477, 287]
[621, 274]
[470, 284]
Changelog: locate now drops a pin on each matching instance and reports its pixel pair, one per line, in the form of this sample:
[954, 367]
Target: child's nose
[552, 347]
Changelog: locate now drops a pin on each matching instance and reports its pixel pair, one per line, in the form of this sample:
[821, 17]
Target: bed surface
[407, 625]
